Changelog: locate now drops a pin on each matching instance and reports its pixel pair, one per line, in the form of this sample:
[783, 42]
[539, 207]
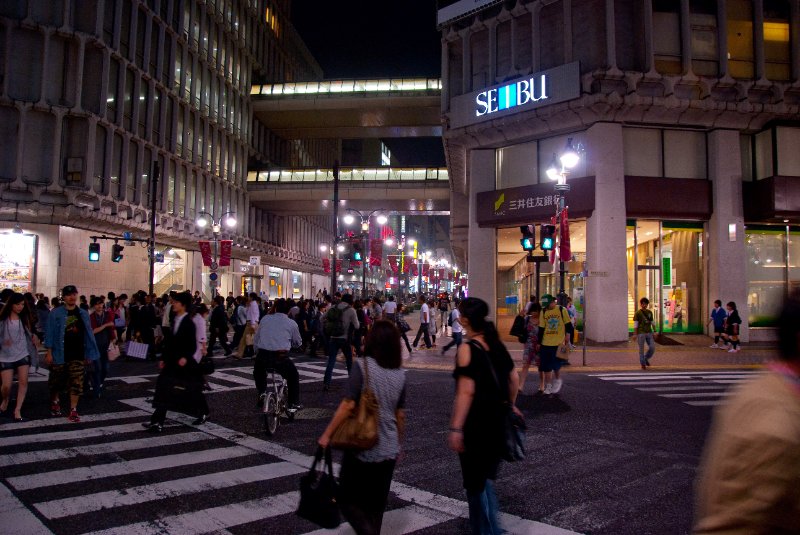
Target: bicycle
[276, 403]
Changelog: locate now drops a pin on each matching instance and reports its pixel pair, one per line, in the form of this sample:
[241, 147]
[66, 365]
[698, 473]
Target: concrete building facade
[94, 93]
[684, 114]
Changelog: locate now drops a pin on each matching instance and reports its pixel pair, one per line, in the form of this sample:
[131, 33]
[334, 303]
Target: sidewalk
[683, 352]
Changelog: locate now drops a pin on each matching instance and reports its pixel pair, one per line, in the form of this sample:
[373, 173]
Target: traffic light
[356, 251]
[547, 237]
[116, 252]
[528, 240]
[94, 252]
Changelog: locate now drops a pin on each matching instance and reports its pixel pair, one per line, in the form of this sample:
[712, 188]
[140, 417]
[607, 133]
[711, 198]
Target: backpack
[442, 305]
[334, 321]
[519, 329]
[450, 319]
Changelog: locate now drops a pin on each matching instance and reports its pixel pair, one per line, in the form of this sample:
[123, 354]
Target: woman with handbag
[17, 344]
[102, 322]
[485, 383]
[179, 385]
[366, 475]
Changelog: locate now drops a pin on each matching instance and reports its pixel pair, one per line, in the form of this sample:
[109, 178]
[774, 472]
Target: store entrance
[665, 260]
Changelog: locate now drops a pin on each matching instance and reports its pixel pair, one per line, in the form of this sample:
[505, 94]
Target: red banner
[565, 252]
[426, 268]
[414, 270]
[225, 249]
[375, 253]
[407, 265]
[205, 252]
[386, 232]
[326, 265]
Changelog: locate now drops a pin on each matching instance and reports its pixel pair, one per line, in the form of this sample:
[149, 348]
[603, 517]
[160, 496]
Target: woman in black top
[485, 381]
[732, 324]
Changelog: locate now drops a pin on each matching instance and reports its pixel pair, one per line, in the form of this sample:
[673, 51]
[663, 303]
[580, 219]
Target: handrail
[354, 174]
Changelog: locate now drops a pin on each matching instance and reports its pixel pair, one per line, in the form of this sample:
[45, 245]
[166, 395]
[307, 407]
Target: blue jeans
[483, 511]
[456, 341]
[651, 347]
[99, 371]
[334, 346]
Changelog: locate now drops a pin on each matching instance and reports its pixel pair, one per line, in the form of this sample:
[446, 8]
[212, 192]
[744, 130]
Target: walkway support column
[482, 248]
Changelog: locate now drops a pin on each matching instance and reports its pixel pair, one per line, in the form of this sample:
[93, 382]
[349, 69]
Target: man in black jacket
[219, 327]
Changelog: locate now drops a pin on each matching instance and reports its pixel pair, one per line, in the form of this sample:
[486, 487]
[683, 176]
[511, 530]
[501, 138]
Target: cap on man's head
[69, 290]
[546, 300]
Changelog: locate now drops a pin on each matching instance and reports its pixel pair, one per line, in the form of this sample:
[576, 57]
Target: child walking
[718, 316]
[531, 352]
[732, 325]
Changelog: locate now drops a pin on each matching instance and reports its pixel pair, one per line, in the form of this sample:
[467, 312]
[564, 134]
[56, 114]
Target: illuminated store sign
[512, 95]
[536, 90]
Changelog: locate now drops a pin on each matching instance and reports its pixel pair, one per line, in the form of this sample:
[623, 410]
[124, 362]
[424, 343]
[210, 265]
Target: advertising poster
[17, 253]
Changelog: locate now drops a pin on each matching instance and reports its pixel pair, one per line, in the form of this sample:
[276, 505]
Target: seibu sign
[552, 86]
[511, 96]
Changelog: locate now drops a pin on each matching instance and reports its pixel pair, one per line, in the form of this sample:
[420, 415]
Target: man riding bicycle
[276, 335]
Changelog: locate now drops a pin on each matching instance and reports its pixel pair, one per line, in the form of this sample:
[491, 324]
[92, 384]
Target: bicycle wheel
[270, 414]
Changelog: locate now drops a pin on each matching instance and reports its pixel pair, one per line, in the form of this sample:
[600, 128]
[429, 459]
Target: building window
[147, 166]
[667, 37]
[144, 92]
[127, 104]
[171, 187]
[551, 35]
[479, 55]
[99, 159]
[125, 29]
[684, 154]
[109, 12]
[740, 38]
[763, 155]
[705, 49]
[788, 139]
[517, 165]
[191, 188]
[777, 53]
[156, 137]
[130, 176]
[141, 31]
[25, 71]
[155, 34]
[182, 191]
[116, 167]
[766, 251]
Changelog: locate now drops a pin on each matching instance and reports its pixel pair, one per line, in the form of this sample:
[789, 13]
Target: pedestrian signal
[547, 237]
[528, 240]
[356, 251]
[116, 252]
[94, 252]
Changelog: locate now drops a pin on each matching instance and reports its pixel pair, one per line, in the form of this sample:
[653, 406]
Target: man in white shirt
[253, 315]
[276, 335]
[457, 329]
[390, 309]
[424, 322]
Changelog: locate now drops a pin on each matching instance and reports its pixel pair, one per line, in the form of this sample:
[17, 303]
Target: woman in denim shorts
[17, 345]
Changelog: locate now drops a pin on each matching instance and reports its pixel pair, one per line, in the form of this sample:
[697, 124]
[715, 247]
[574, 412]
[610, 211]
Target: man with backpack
[338, 323]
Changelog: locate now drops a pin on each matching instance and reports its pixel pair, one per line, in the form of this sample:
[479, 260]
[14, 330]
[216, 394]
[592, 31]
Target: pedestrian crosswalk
[698, 389]
[107, 475]
[241, 378]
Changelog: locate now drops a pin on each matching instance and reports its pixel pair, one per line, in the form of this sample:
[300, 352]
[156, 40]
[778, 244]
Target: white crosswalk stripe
[114, 482]
[692, 388]
[241, 378]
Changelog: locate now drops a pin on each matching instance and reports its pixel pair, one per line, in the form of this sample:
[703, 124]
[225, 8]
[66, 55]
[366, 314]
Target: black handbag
[318, 490]
[513, 447]
[178, 393]
[206, 365]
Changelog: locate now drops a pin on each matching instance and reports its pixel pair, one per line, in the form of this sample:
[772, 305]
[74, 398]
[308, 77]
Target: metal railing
[328, 87]
[371, 174]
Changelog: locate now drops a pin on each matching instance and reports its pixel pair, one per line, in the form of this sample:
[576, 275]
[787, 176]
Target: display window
[773, 271]
[17, 261]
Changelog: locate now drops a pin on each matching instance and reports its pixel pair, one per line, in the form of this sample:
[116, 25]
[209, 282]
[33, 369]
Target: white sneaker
[731, 350]
[557, 383]
[548, 389]
[724, 347]
[714, 346]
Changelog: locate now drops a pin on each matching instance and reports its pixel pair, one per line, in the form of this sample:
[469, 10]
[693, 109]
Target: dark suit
[182, 345]
[219, 329]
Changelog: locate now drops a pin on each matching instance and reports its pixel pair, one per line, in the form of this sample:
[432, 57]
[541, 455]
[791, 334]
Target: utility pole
[335, 225]
[153, 216]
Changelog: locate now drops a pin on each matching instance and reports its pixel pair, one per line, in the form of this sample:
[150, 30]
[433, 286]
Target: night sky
[376, 39]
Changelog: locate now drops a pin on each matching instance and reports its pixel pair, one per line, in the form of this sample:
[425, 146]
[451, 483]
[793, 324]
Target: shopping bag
[137, 350]
[206, 365]
[113, 351]
[318, 489]
[563, 352]
[359, 431]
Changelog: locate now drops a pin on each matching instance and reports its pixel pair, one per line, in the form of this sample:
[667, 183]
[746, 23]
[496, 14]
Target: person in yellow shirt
[553, 320]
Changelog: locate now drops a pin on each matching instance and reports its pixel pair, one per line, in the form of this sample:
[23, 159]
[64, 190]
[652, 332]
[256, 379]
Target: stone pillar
[482, 248]
[607, 291]
[726, 268]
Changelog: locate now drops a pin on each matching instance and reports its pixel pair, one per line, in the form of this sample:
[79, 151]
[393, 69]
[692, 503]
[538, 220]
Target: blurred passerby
[339, 323]
[530, 354]
[454, 319]
[400, 320]
[239, 320]
[718, 316]
[485, 380]
[424, 323]
[732, 325]
[17, 345]
[253, 316]
[553, 320]
[366, 476]
[102, 322]
[749, 477]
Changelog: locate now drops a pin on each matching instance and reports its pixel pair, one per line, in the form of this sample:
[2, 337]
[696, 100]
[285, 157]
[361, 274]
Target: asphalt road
[612, 454]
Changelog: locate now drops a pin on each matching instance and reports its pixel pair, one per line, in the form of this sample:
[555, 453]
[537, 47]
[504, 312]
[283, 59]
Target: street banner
[386, 232]
[407, 266]
[393, 263]
[564, 252]
[326, 265]
[425, 269]
[225, 249]
[375, 253]
[205, 252]
[414, 270]
[339, 266]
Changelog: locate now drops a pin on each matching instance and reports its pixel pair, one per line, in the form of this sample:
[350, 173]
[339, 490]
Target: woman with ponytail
[485, 382]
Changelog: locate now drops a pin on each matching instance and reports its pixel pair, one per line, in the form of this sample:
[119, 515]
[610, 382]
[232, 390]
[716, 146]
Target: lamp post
[349, 219]
[205, 219]
[558, 170]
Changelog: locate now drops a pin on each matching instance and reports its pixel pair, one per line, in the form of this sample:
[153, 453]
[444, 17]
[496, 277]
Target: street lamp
[349, 219]
[204, 219]
[568, 159]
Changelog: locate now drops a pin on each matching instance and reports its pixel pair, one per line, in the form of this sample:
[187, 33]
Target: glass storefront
[275, 284]
[665, 260]
[17, 261]
[773, 271]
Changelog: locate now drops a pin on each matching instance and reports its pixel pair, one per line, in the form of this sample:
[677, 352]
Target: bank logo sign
[511, 96]
[552, 86]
